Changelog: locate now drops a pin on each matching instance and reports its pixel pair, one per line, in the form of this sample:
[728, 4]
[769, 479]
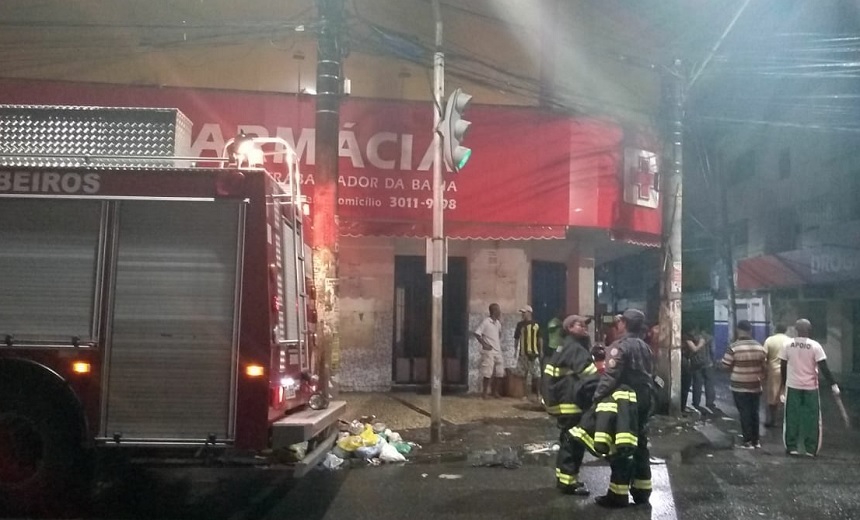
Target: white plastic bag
[390, 454]
[332, 461]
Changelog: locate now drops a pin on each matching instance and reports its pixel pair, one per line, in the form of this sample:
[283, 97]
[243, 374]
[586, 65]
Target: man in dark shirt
[527, 338]
[700, 367]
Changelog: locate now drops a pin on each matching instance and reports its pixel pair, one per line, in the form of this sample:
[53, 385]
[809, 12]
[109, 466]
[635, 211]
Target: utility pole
[670, 306]
[437, 253]
[726, 248]
[324, 219]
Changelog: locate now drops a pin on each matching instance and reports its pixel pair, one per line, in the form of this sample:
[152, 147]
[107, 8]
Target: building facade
[774, 178]
[563, 177]
[798, 222]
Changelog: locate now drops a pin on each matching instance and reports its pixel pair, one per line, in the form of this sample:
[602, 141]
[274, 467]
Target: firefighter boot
[619, 483]
[570, 484]
[611, 501]
[640, 489]
[577, 488]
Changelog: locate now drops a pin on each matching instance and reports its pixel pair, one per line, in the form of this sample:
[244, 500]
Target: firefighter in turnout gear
[629, 362]
[568, 383]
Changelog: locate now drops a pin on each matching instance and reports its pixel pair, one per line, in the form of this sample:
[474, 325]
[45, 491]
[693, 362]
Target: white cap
[527, 308]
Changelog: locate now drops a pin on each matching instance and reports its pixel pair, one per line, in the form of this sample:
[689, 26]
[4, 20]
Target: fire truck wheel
[44, 470]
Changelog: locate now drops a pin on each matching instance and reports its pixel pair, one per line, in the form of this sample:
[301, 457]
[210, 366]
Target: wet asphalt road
[721, 484]
[767, 484]
[425, 492]
[706, 483]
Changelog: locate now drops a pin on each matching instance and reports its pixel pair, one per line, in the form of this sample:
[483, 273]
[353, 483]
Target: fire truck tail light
[81, 367]
[254, 371]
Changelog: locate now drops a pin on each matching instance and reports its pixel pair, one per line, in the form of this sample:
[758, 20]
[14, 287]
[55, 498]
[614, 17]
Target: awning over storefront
[767, 271]
[636, 238]
[452, 230]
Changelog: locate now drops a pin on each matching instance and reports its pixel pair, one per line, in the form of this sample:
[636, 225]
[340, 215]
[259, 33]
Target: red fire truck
[146, 300]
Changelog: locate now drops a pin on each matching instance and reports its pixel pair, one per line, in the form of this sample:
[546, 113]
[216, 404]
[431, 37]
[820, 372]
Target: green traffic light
[452, 128]
[465, 158]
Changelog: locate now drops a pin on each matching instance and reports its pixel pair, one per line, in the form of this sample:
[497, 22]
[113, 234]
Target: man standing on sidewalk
[527, 338]
[802, 359]
[700, 368]
[747, 360]
[774, 345]
[489, 335]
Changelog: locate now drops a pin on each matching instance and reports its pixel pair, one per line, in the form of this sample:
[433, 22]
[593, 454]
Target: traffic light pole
[437, 253]
[670, 304]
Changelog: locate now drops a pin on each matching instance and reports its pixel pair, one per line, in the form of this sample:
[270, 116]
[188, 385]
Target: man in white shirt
[774, 345]
[801, 360]
[489, 334]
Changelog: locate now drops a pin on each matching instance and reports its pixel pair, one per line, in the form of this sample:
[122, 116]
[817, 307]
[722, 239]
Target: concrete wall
[849, 350]
[836, 337]
[497, 272]
[818, 192]
[366, 270]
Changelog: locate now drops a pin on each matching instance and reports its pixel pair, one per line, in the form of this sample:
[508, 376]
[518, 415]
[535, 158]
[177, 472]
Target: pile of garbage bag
[368, 440]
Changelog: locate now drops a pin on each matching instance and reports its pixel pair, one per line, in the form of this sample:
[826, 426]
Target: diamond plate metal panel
[53, 135]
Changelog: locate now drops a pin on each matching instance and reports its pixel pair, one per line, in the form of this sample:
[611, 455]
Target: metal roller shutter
[49, 251]
[172, 343]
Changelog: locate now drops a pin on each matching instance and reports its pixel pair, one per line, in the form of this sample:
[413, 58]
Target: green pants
[802, 425]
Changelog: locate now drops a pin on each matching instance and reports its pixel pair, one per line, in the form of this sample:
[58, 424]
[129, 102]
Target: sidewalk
[473, 427]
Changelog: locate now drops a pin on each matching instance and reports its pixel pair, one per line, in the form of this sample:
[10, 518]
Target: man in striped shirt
[747, 360]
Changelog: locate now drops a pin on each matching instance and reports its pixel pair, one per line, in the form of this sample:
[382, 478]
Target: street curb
[418, 409]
